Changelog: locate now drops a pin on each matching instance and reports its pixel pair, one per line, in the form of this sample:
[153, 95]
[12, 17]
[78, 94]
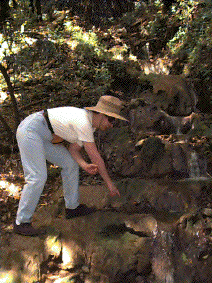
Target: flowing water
[194, 166]
[180, 240]
[197, 172]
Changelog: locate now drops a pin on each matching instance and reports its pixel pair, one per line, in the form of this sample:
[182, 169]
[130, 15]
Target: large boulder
[172, 93]
[129, 155]
[155, 196]
[97, 247]
[148, 118]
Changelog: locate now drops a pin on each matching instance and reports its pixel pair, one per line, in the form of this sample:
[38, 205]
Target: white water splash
[194, 170]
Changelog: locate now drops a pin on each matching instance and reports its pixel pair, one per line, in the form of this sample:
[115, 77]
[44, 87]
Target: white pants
[34, 141]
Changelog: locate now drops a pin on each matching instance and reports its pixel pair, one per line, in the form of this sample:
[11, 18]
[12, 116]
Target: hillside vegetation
[75, 52]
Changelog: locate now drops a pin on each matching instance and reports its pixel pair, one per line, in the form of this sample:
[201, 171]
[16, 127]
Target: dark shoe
[25, 229]
[81, 210]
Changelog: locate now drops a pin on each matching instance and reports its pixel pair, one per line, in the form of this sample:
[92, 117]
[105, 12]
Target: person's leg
[34, 166]
[31, 134]
[60, 156]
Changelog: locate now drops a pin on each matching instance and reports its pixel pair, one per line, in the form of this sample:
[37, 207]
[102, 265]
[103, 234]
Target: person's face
[106, 122]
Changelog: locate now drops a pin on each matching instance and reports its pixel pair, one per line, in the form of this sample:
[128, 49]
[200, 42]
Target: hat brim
[111, 114]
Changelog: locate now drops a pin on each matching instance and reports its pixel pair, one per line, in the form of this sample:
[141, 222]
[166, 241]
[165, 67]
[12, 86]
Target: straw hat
[108, 105]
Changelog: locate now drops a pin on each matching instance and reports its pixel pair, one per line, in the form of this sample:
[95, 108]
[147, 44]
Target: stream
[182, 246]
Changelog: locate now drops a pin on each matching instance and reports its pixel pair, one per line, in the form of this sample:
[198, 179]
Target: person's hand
[114, 191]
[91, 168]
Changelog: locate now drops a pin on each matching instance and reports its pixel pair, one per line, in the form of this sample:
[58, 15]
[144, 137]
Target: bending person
[39, 136]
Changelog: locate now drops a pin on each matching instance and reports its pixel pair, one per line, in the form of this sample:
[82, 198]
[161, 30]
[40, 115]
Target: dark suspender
[45, 113]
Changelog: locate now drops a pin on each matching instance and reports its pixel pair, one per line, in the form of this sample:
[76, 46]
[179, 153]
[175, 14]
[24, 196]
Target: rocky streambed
[159, 235]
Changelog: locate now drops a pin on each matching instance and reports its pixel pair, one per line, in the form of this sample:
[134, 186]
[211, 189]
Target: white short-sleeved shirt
[72, 124]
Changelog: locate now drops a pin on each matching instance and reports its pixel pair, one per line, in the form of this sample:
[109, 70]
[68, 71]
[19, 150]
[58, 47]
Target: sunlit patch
[3, 48]
[29, 40]
[54, 166]
[11, 188]
[3, 96]
[118, 57]
[159, 66]
[132, 57]
[7, 277]
[72, 254]
[64, 280]
[53, 245]
[72, 44]
[67, 256]
[118, 52]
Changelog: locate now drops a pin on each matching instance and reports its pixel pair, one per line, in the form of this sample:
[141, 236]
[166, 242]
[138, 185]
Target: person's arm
[97, 164]
[95, 157]
[75, 149]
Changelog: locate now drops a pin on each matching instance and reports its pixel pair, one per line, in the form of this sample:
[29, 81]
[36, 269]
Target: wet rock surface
[95, 247]
[140, 237]
[133, 151]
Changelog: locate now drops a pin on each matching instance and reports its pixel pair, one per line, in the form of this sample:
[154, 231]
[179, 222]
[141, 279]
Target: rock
[109, 254]
[79, 242]
[23, 258]
[151, 196]
[150, 118]
[142, 223]
[162, 167]
[107, 246]
[132, 194]
[143, 117]
[207, 212]
[119, 151]
[170, 202]
[191, 263]
[179, 161]
[174, 94]
[152, 150]
[136, 150]
[100, 255]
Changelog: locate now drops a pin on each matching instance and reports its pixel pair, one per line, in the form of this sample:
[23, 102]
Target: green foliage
[158, 26]
[184, 32]
[195, 26]
[185, 259]
[197, 42]
[80, 35]
[78, 54]
[86, 42]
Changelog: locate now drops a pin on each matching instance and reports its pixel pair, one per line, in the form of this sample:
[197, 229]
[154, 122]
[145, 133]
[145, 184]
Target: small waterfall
[177, 124]
[162, 266]
[197, 168]
[194, 170]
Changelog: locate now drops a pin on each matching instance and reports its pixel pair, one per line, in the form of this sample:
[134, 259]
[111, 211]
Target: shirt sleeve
[84, 132]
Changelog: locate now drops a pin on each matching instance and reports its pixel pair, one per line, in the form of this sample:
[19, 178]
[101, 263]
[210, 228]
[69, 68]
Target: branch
[11, 93]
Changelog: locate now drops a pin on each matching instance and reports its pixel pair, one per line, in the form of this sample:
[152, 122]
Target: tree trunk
[11, 135]
[37, 4]
[38, 8]
[4, 11]
[11, 93]
[15, 4]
